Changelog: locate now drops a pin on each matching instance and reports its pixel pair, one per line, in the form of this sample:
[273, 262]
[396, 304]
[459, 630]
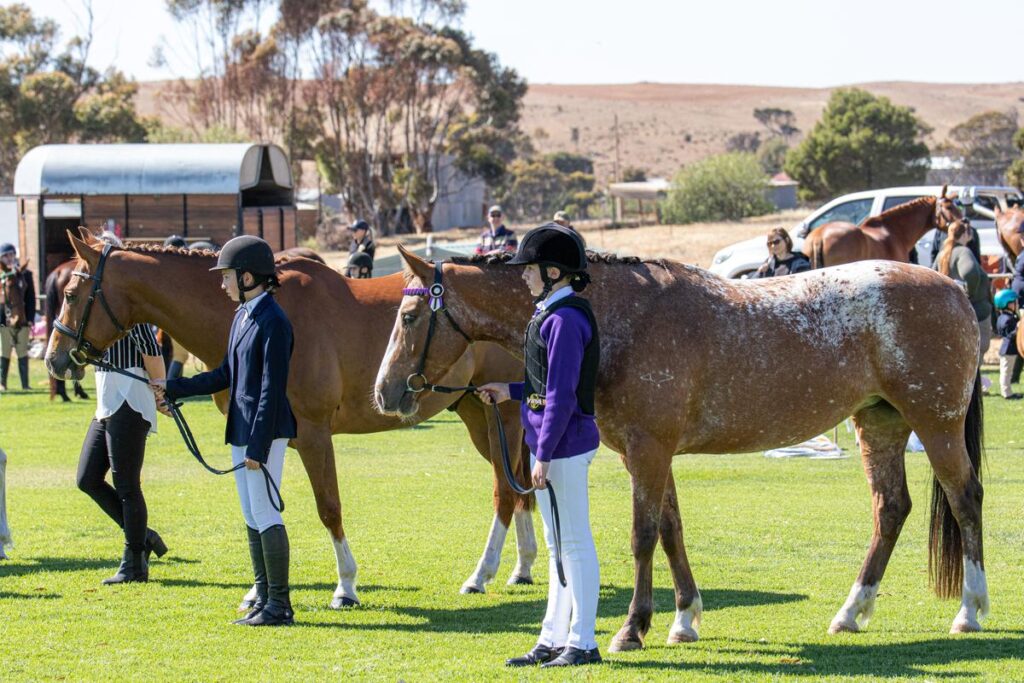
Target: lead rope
[506, 463]
[190, 441]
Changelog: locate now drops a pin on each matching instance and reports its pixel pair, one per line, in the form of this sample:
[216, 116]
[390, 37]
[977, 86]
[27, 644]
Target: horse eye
[408, 319]
[70, 298]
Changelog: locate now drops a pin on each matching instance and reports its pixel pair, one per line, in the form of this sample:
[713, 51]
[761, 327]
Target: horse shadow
[43, 564]
[523, 615]
[842, 658]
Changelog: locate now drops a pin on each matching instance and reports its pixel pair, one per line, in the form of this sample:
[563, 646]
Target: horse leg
[317, 453]
[883, 434]
[480, 423]
[957, 495]
[648, 464]
[688, 603]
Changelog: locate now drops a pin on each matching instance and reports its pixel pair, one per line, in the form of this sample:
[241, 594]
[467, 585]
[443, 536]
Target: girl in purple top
[561, 351]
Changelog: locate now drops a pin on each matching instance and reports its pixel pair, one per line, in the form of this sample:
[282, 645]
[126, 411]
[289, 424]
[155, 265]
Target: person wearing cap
[496, 237]
[176, 241]
[116, 443]
[1006, 325]
[260, 419]
[562, 354]
[14, 335]
[359, 266]
[362, 240]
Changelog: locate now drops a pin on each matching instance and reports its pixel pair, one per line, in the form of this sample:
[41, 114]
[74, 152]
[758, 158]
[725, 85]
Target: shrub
[723, 187]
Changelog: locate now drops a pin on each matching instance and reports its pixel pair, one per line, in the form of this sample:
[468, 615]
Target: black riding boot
[278, 610]
[154, 544]
[133, 568]
[80, 392]
[5, 367]
[23, 373]
[174, 369]
[259, 570]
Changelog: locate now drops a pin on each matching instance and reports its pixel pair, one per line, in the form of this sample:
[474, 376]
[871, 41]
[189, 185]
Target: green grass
[775, 546]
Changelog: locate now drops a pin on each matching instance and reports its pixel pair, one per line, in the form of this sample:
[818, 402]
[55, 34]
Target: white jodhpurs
[259, 514]
[572, 610]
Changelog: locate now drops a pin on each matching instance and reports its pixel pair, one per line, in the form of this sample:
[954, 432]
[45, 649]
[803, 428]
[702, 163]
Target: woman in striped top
[116, 442]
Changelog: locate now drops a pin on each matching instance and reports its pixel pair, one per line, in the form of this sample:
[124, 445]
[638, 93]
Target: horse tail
[945, 543]
[53, 294]
[527, 502]
[817, 255]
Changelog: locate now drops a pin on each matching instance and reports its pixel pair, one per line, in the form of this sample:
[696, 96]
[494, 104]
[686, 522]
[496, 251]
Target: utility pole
[616, 148]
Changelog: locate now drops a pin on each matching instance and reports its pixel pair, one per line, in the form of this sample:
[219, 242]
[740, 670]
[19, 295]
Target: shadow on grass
[524, 616]
[843, 658]
[37, 565]
[243, 586]
[4, 595]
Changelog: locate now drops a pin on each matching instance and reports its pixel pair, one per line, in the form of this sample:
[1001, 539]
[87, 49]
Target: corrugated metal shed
[149, 169]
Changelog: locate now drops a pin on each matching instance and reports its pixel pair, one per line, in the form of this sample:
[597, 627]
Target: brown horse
[298, 252]
[12, 295]
[1010, 230]
[341, 331]
[671, 382]
[890, 235]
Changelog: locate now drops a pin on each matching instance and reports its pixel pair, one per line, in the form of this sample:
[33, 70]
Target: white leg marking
[487, 567]
[249, 600]
[345, 593]
[526, 544]
[974, 604]
[857, 610]
[684, 628]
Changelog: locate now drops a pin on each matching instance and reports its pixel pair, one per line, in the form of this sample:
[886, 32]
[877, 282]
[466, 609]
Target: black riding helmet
[176, 241]
[247, 254]
[554, 245]
[357, 261]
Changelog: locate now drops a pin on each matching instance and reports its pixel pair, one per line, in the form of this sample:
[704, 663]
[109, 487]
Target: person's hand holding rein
[493, 392]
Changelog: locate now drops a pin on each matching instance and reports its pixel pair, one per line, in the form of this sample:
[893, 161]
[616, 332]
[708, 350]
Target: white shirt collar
[250, 305]
[556, 295]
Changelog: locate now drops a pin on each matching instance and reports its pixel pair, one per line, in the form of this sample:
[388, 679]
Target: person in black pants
[116, 442]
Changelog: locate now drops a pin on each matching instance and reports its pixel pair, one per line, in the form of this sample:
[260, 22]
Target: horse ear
[413, 264]
[943, 193]
[85, 235]
[84, 251]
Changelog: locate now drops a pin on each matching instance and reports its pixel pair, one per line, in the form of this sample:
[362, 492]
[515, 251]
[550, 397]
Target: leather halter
[85, 351]
[435, 294]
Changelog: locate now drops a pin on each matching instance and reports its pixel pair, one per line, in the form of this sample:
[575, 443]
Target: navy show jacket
[255, 369]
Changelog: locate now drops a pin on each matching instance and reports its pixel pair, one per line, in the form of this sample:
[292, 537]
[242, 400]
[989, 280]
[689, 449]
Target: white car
[741, 259]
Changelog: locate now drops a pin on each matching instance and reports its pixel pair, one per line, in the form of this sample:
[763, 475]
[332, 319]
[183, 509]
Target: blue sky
[783, 42]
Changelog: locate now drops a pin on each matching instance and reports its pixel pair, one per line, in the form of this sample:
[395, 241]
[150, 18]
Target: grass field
[775, 546]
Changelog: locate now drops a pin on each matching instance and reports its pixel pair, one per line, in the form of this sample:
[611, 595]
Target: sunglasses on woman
[772, 243]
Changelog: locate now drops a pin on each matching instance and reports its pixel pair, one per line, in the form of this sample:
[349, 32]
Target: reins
[86, 353]
[190, 441]
[436, 302]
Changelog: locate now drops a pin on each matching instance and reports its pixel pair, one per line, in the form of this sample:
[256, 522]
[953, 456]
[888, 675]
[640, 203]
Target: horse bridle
[84, 350]
[435, 299]
[417, 382]
[4, 277]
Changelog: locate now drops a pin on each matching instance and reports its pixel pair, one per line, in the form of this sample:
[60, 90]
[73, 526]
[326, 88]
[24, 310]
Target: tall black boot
[133, 568]
[174, 370]
[80, 392]
[278, 610]
[259, 570]
[1018, 363]
[5, 367]
[23, 373]
[154, 544]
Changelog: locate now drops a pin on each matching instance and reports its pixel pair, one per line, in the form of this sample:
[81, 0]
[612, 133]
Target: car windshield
[848, 212]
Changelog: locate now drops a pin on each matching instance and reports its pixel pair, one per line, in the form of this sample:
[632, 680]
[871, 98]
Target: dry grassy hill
[663, 126]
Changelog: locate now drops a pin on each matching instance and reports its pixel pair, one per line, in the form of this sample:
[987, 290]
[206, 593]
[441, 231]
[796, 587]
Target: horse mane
[150, 248]
[899, 210]
[592, 257]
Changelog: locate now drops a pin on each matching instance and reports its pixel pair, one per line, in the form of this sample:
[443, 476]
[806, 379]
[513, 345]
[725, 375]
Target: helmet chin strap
[242, 289]
[548, 283]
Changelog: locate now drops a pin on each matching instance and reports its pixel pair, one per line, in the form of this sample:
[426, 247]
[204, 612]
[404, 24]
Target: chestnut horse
[1010, 230]
[671, 382]
[341, 331]
[53, 290]
[890, 235]
[12, 296]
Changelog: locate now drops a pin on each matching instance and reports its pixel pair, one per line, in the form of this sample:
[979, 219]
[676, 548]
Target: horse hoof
[625, 645]
[843, 627]
[246, 605]
[520, 581]
[965, 626]
[472, 590]
[683, 635]
[344, 603]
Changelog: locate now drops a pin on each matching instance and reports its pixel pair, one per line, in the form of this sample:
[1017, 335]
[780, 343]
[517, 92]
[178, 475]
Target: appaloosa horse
[341, 331]
[671, 382]
[890, 235]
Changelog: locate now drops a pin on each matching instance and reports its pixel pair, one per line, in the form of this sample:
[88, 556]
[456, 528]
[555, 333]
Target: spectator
[956, 260]
[362, 240]
[782, 260]
[1006, 326]
[496, 238]
[359, 266]
[14, 336]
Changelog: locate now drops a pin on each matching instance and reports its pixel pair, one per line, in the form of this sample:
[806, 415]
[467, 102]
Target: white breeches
[259, 514]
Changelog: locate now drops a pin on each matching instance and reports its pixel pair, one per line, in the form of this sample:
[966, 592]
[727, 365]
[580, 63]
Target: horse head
[1010, 230]
[12, 295]
[90, 317]
[946, 210]
[426, 340]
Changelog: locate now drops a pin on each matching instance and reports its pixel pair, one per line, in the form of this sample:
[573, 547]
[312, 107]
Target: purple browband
[415, 291]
